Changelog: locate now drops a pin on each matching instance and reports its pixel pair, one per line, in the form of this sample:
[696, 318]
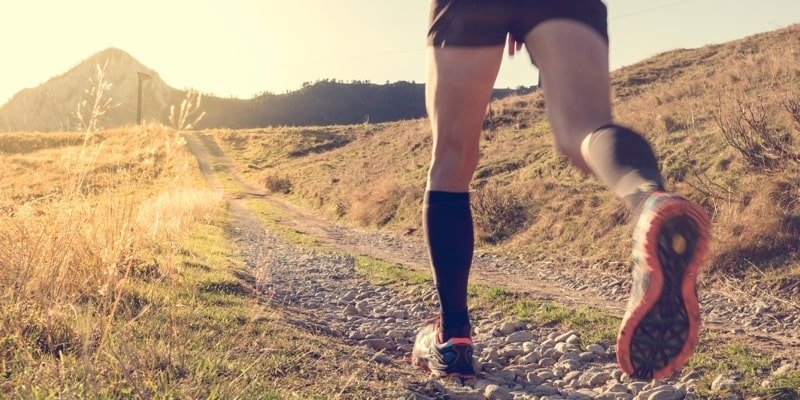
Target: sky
[243, 47]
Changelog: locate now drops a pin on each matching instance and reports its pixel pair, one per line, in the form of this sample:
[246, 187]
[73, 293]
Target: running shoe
[662, 323]
[452, 358]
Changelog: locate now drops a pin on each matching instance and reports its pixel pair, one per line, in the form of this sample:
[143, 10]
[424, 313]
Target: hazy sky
[242, 47]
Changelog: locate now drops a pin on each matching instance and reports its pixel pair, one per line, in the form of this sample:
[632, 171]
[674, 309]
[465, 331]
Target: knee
[452, 169]
[454, 162]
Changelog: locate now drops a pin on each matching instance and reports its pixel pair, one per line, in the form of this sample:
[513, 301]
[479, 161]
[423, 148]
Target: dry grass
[85, 218]
[379, 206]
[278, 184]
[498, 213]
[673, 98]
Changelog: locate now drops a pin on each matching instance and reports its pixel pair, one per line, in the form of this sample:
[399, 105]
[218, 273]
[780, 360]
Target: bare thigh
[458, 89]
[573, 60]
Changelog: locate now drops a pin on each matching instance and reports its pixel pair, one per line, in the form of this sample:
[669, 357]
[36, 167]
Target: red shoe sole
[649, 248]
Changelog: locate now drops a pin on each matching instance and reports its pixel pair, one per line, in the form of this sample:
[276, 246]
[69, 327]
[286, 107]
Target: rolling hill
[50, 106]
[529, 202]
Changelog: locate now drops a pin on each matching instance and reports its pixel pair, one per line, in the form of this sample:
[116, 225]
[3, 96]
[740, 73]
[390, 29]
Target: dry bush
[278, 184]
[750, 130]
[497, 213]
[793, 108]
[188, 114]
[67, 259]
[95, 102]
[378, 205]
[672, 124]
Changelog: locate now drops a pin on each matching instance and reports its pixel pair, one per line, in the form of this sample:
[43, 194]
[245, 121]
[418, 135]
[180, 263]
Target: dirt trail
[325, 295]
[758, 318]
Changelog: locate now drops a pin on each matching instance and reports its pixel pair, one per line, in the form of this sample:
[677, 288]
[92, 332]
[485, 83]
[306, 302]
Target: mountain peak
[112, 52]
[51, 106]
[116, 57]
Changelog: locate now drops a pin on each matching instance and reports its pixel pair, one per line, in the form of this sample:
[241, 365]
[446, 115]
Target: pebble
[571, 376]
[596, 349]
[636, 387]
[564, 336]
[547, 362]
[508, 328]
[660, 393]
[561, 347]
[617, 388]
[783, 370]
[529, 358]
[533, 379]
[595, 379]
[722, 383]
[579, 396]
[495, 392]
[350, 310]
[519, 337]
[376, 344]
[573, 340]
[544, 390]
[395, 334]
[355, 335]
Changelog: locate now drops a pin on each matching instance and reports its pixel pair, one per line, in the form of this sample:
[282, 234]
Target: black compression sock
[455, 324]
[447, 223]
[625, 162]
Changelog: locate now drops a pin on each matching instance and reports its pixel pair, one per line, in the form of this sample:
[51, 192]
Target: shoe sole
[421, 364]
[659, 333]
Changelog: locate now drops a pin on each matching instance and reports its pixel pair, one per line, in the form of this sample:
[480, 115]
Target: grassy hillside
[114, 275]
[118, 279]
[724, 120]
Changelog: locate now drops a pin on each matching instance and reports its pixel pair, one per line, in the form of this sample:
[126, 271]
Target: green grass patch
[592, 325]
[168, 339]
[382, 272]
[717, 355]
[200, 332]
[272, 218]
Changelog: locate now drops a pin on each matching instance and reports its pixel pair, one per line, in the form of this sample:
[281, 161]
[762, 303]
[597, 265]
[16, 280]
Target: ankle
[635, 201]
[454, 324]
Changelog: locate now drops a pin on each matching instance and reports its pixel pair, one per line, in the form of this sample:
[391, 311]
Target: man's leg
[459, 85]
[662, 322]
[460, 82]
[573, 60]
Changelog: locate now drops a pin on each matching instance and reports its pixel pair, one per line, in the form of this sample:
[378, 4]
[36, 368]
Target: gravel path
[517, 360]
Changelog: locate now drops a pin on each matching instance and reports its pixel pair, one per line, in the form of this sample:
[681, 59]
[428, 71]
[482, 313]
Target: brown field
[93, 226]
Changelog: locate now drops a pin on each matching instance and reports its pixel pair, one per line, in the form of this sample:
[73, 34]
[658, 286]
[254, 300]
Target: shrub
[278, 184]
[378, 205]
[748, 129]
[497, 213]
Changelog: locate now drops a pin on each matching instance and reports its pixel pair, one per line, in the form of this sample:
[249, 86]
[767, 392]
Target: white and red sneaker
[661, 326]
[453, 358]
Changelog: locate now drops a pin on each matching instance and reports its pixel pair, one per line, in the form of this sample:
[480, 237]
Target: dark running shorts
[486, 22]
